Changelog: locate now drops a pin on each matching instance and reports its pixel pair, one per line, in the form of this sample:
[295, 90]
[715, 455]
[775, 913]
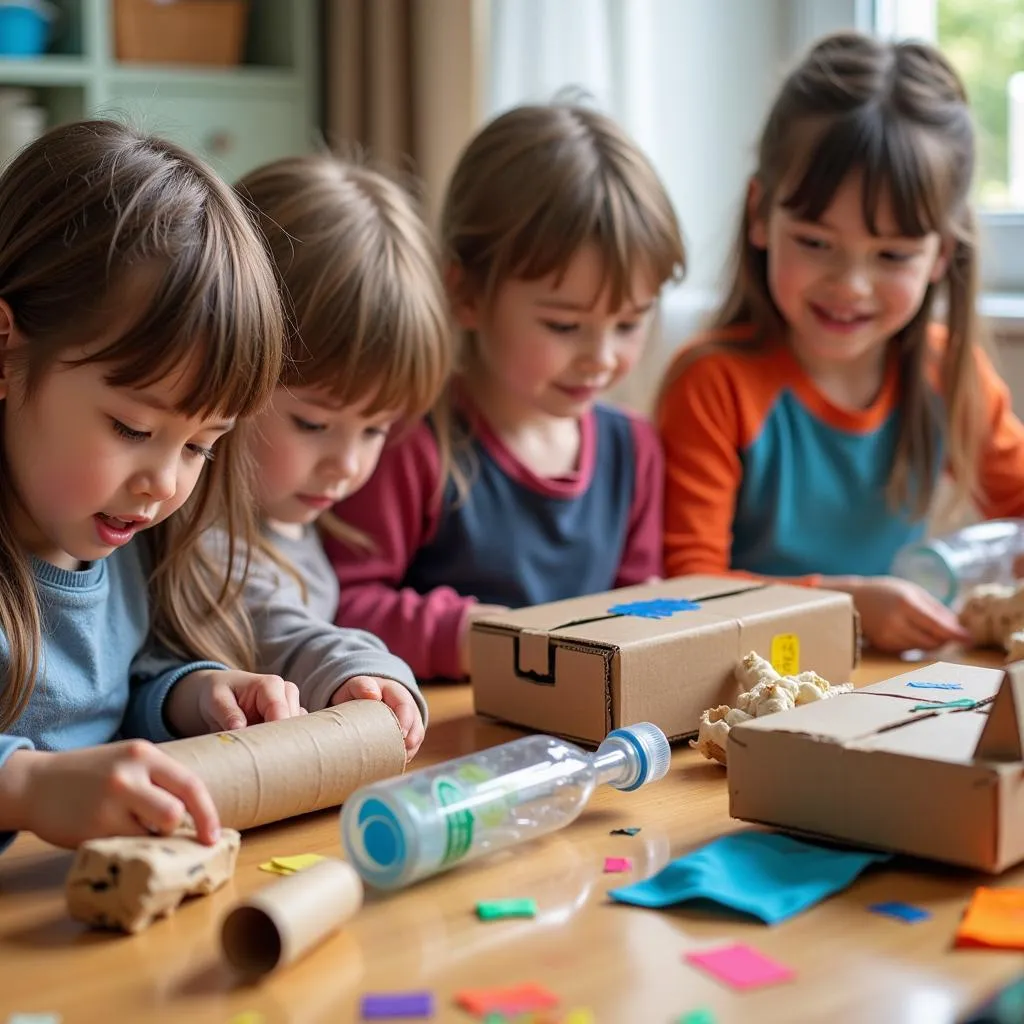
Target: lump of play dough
[128, 882]
[993, 614]
[767, 692]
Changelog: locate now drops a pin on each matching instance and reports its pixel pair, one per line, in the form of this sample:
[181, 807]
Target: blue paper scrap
[766, 874]
[902, 911]
[389, 1005]
[917, 685]
[657, 608]
[630, 831]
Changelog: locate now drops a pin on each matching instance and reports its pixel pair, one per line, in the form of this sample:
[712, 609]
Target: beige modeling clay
[767, 692]
[994, 616]
[129, 882]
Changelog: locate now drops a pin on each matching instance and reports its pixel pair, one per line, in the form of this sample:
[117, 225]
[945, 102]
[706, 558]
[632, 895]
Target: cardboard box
[582, 667]
[868, 769]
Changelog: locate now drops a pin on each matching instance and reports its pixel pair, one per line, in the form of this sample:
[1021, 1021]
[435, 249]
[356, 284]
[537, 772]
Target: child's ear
[462, 298]
[8, 342]
[757, 227]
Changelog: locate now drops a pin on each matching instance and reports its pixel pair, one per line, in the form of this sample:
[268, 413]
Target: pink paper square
[616, 865]
[741, 967]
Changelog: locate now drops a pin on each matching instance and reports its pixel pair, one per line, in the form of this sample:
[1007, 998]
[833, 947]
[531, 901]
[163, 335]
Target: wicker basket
[180, 31]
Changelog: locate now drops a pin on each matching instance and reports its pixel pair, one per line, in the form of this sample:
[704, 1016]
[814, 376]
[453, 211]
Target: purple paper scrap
[390, 1005]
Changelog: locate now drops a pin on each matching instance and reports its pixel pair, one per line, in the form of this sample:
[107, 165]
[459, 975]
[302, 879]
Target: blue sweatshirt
[95, 623]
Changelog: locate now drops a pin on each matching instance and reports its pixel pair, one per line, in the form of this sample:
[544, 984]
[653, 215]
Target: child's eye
[375, 433]
[201, 451]
[307, 427]
[628, 326]
[897, 257]
[123, 430]
[814, 244]
[558, 327]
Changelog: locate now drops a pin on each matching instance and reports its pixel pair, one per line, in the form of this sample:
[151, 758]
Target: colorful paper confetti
[495, 910]
[616, 865]
[631, 831]
[290, 865]
[901, 911]
[741, 967]
[656, 608]
[394, 1005]
[701, 1016]
[525, 998]
[995, 918]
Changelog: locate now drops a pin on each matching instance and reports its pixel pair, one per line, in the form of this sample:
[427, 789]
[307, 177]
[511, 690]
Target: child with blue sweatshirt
[139, 320]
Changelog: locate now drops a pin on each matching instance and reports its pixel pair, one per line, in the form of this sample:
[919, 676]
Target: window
[985, 42]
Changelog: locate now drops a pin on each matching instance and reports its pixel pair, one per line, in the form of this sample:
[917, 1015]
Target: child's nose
[157, 481]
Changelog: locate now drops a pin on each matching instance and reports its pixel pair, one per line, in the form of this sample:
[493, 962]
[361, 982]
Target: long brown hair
[538, 184]
[898, 113]
[367, 318]
[81, 210]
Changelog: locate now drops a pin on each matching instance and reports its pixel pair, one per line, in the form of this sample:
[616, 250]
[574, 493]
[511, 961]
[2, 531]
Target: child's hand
[396, 696]
[209, 700]
[121, 789]
[476, 612]
[897, 615]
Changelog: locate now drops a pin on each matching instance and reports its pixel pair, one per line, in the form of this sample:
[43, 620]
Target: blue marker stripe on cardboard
[917, 685]
[656, 608]
[766, 874]
[903, 911]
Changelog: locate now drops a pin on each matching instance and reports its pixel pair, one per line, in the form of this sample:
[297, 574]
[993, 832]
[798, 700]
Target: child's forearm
[16, 776]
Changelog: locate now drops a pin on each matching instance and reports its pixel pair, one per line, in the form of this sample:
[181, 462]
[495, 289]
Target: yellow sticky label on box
[785, 656]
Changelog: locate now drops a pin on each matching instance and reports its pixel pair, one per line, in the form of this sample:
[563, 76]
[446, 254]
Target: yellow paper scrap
[581, 1016]
[248, 1017]
[273, 869]
[299, 862]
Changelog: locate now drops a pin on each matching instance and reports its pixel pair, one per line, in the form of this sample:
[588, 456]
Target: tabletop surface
[623, 963]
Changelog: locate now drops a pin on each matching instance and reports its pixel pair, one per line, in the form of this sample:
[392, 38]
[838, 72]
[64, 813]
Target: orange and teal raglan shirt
[766, 476]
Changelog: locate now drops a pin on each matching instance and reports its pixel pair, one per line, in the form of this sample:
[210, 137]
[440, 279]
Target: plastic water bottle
[407, 828]
[949, 565]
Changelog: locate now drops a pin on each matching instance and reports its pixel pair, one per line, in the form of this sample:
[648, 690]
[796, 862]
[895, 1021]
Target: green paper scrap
[495, 910]
[701, 1016]
[963, 702]
[495, 1018]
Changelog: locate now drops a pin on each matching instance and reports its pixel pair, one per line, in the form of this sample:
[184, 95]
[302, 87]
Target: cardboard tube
[276, 770]
[288, 918]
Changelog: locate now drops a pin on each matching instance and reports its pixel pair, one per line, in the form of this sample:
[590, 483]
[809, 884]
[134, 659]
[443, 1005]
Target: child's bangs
[900, 165]
[631, 238]
[386, 348]
[209, 323]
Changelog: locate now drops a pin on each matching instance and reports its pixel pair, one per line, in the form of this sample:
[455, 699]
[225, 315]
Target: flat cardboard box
[867, 769]
[579, 669]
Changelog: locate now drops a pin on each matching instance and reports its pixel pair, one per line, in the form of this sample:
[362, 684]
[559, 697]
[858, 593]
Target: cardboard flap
[1001, 738]
[533, 657]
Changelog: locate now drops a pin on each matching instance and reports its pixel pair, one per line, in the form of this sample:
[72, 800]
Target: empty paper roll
[287, 919]
[276, 770]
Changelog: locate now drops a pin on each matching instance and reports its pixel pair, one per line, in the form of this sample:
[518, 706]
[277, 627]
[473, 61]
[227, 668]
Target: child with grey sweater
[368, 351]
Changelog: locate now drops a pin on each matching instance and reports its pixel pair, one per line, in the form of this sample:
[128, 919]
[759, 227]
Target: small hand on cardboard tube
[211, 700]
[395, 696]
[130, 788]
[897, 615]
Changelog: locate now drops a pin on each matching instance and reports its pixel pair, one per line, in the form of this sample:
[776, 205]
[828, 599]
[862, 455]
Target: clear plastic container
[950, 565]
[407, 828]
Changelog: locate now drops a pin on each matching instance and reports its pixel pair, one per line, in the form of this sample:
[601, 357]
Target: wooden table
[624, 963]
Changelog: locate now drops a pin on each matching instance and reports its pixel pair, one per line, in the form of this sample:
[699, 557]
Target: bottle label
[785, 655]
[458, 821]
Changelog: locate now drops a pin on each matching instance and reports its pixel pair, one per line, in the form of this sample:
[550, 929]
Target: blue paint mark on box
[657, 608]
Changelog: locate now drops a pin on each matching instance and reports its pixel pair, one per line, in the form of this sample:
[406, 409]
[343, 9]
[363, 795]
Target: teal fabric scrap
[765, 874]
[657, 608]
[944, 705]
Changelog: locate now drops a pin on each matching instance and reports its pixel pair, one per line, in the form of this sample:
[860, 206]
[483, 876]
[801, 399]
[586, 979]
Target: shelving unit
[236, 117]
